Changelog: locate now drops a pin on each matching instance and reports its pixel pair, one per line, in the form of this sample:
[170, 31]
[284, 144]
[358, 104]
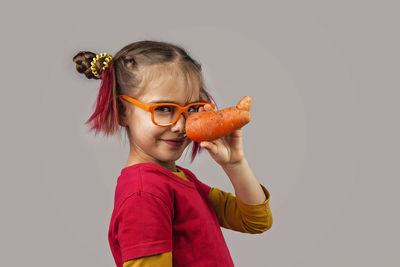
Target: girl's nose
[180, 123]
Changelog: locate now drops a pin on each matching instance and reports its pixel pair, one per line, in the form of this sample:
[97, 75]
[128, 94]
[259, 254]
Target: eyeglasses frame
[152, 107]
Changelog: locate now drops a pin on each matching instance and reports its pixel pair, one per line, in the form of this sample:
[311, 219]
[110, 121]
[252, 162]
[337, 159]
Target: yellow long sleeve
[161, 260]
[234, 214]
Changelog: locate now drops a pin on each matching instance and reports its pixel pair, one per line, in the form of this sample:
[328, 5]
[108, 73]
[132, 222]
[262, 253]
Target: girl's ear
[122, 123]
[122, 116]
[122, 120]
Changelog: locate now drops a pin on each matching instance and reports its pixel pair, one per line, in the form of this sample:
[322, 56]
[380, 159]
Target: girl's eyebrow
[168, 101]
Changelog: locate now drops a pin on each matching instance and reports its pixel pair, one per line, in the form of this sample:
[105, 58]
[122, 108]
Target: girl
[163, 215]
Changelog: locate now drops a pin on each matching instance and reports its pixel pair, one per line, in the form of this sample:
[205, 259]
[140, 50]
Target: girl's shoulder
[141, 179]
[142, 176]
[150, 178]
[155, 179]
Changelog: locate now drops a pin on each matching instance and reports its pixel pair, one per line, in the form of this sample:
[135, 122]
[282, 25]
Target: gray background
[324, 135]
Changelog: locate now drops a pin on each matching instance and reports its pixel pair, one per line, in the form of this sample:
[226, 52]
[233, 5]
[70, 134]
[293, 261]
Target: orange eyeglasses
[165, 114]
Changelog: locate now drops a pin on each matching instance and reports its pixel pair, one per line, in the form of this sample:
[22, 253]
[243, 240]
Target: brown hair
[126, 75]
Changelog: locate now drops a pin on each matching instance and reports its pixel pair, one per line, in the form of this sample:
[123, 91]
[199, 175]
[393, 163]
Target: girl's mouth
[174, 143]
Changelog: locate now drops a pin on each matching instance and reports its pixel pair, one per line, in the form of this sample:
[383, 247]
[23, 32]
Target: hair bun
[82, 61]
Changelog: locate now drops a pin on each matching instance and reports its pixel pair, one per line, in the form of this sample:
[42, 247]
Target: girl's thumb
[208, 145]
[203, 144]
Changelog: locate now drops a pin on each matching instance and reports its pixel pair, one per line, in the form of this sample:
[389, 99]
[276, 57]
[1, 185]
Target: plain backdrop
[324, 135]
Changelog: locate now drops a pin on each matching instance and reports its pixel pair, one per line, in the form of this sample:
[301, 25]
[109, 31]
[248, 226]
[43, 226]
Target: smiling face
[149, 142]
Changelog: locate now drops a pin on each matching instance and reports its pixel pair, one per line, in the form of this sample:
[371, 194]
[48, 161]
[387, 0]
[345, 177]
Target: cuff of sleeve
[254, 210]
[146, 249]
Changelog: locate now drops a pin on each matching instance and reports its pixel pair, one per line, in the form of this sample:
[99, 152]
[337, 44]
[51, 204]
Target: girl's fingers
[209, 146]
[207, 107]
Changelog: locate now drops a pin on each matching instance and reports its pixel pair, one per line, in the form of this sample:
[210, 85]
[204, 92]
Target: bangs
[154, 76]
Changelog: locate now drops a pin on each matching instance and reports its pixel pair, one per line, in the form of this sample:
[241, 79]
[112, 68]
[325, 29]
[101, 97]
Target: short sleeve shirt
[156, 211]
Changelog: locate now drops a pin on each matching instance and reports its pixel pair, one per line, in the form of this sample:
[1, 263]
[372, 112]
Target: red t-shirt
[156, 211]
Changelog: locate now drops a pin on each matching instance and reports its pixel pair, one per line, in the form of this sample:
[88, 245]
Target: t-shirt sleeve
[144, 226]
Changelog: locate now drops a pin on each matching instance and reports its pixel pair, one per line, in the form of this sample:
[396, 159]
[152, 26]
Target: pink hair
[105, 116]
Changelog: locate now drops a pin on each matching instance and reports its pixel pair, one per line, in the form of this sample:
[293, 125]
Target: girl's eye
[194, 108]
[164, 108]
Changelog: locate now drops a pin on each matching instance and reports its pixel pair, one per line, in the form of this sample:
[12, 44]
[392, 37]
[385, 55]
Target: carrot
[211, 125]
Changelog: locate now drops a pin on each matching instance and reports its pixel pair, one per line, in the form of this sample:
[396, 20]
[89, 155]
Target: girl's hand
[227, 150]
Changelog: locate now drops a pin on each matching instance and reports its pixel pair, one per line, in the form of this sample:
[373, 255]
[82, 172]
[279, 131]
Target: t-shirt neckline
[166, 171]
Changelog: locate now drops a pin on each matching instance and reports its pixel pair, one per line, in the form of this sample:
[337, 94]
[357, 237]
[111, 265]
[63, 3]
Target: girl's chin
[170, 158]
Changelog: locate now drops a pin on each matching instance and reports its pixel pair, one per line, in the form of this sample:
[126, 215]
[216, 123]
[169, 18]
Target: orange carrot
[211, 125]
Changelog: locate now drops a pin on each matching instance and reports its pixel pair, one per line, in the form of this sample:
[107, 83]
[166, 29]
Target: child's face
[148, 141]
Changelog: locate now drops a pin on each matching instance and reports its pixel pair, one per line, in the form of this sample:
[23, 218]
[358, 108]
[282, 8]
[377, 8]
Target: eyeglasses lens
[167, 113]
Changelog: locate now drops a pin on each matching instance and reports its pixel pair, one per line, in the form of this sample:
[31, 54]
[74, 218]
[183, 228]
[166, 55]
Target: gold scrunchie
[107, 59]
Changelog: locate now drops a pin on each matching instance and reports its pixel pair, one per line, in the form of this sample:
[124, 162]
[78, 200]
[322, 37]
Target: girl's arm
[247, 187]
[227, 151]
[236, 215]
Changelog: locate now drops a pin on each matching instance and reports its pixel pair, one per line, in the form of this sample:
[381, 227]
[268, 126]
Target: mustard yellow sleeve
[234, 214]
[161, 259]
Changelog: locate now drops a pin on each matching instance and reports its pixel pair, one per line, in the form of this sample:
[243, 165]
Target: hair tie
[107, 59]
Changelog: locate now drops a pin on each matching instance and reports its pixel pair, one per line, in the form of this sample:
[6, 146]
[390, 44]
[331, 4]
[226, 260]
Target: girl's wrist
[234, 165]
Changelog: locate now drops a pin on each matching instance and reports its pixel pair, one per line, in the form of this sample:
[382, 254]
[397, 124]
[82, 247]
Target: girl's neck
[170, 166]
